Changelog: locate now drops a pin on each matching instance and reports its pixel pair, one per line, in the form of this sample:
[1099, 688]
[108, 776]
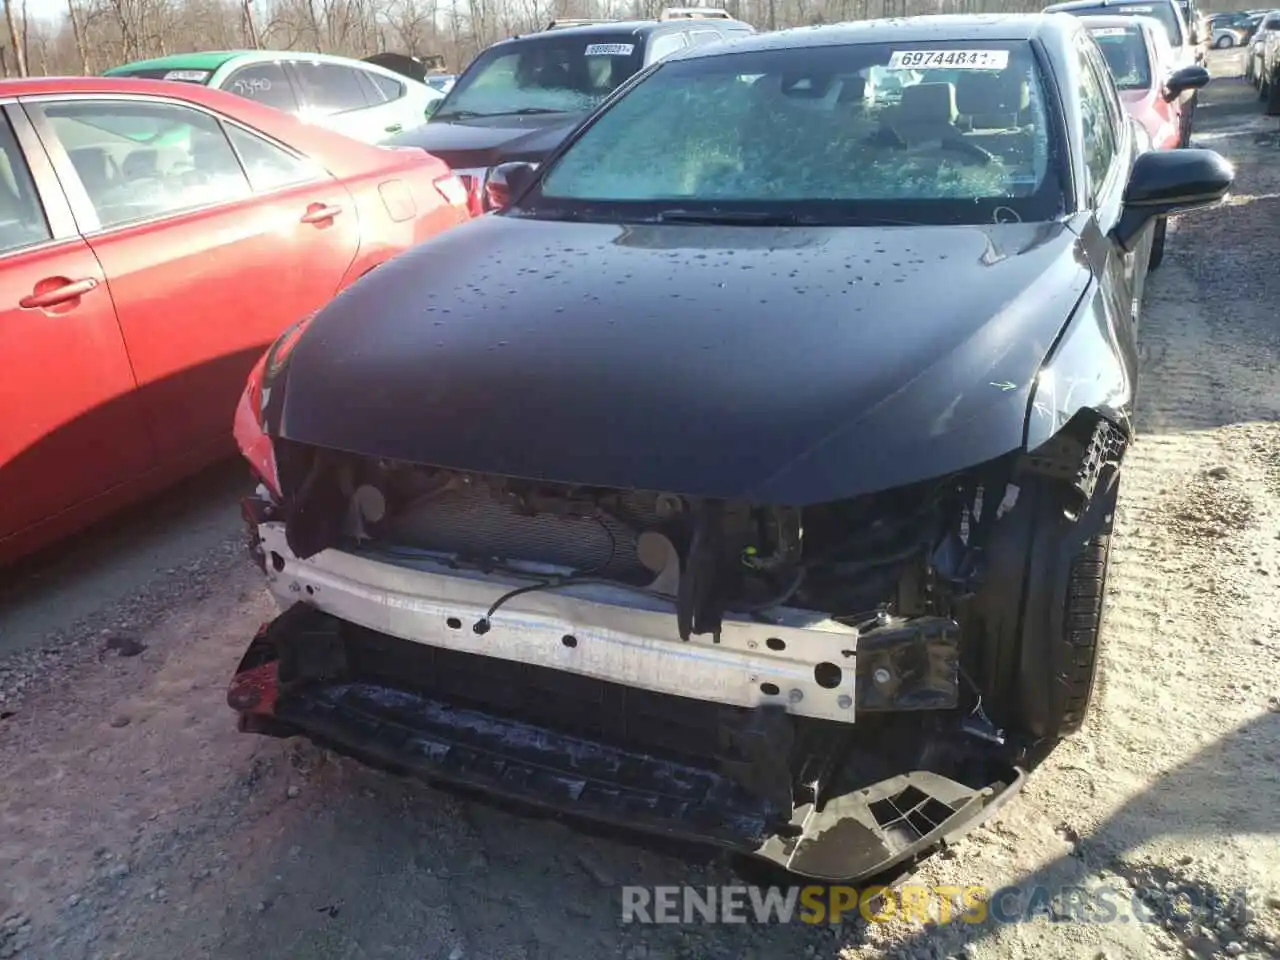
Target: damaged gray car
[748, 478]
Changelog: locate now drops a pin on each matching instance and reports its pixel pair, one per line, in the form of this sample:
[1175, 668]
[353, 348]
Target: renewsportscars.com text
[916, 903]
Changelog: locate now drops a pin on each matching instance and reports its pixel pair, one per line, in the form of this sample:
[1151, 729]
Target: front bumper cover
[307, 673]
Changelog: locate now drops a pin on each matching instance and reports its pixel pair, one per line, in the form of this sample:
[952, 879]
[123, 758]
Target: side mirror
[1184, 79]
[1171, 181]
[507, 180]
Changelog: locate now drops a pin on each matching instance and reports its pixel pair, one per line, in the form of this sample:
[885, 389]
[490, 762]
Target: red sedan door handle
[64, 291]
[320, 212]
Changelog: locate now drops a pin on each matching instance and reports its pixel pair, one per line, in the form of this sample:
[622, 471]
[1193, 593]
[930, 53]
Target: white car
[359, 99]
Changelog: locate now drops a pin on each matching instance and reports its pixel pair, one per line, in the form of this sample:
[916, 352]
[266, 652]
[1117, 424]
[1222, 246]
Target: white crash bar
[630, 638]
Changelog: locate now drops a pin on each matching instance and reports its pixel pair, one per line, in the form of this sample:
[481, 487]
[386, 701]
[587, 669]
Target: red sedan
[155, 238]
[1156, 91]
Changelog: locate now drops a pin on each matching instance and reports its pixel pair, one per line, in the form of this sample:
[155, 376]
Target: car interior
[963, 117]
[1126, 57]
[163, 165]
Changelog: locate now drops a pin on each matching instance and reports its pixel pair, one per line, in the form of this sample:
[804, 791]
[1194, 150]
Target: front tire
[1041, 620]
[1222, 43]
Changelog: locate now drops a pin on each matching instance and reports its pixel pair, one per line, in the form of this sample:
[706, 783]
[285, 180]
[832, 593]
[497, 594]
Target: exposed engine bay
[904, 553]
[689, 667]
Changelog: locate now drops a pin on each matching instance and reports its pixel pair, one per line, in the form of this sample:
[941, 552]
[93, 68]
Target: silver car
[1253, 57]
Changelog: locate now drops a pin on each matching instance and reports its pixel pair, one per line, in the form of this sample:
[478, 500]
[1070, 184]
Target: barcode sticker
[1109, 31]
[192, 76]
[949, 60]
[610, 49]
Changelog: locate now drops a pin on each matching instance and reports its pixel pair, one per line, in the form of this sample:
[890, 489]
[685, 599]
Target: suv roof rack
[695, 13]
[577, 22]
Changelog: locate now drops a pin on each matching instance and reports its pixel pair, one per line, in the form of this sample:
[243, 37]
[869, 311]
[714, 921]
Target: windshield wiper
[758, 218]
[474, 114]
[525, 112]
[750, 217]
[457, 115]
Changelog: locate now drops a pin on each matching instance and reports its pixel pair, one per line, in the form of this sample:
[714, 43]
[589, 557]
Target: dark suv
[520, 97]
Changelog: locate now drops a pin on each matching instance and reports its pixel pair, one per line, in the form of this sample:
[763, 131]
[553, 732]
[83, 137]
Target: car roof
[343, 156]
[621, 28]
[203, 60]
[1113, 20]
[957, 27]
[1070, 5]
[214, 59]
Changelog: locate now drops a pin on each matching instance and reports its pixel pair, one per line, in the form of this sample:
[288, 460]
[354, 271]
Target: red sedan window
[22, 221]
[138, 160]
[268, 166]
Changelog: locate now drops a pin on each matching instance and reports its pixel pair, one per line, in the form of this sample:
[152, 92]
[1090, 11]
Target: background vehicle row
[358, 98]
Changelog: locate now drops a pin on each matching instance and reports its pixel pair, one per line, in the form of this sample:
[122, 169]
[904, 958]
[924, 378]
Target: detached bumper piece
[799, 792]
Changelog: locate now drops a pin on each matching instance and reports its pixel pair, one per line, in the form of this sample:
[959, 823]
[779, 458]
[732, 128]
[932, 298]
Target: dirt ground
[135, 822]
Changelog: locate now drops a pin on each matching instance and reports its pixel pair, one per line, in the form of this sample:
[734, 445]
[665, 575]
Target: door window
[268, 166]
[266, 83]
[329, 87]
[1099, 136]
[386, 88]
[138, 159]
[22, 220]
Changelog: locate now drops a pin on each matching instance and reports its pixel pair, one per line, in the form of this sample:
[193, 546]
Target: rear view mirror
[507, 180]
[1184, 79]
[1171, 181]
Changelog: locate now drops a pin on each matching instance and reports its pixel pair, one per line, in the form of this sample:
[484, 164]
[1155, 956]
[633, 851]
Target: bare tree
[94, 34]
[16, 43]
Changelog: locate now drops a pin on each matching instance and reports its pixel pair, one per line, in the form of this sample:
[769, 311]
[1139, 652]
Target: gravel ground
[135, 822]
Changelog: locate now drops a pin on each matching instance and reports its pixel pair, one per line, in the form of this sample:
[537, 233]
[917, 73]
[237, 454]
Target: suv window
[138, 159]
[664, 46]
[330, 87]
[700, 38]
[266, 83]
[546, 72]
[22, 220]
[1099, 132]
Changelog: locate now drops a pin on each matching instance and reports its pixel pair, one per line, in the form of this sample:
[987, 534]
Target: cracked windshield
[556, 75]
[919, 131]
[1126, 55]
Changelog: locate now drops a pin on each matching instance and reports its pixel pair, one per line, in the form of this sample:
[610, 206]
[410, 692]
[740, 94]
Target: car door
[1108, 151]
[206, 263]
[69, 423]
[265, 82]
[333, 96]
[393, 107]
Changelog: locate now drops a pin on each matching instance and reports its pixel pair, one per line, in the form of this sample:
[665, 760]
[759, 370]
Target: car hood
[487, 141]
[778, 365]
